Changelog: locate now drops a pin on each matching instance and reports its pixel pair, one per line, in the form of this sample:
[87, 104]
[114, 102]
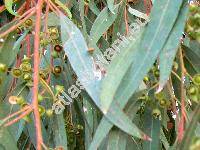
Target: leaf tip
[146, 138]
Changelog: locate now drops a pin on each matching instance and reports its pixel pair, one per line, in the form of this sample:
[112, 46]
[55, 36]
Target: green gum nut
[40, 98]
[41, 110]
[196, 79]
[156, 113]
[16, 72]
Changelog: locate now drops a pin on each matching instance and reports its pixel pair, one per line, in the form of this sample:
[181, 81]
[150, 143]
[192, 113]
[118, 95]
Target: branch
[36, 75]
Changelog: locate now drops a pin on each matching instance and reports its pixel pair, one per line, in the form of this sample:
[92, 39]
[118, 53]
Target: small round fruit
[59, 88]
[24, 104]
[41, 110]
[54, 54]
[13, 100]
[16, 72]
[27, 76]
[79, 127]
[57, 70]
[54, 34]
[162, 103]
[53, 30]
[49, 112]
[29, 22]
[25, 67]
[16, 100]
[157, 73]
[146, 79]
[196, 79]
[19, 30]
[3, 67]
[159, 95]
[43, 75]
[192, 90]
[20, 100]
[58, 48]
[193, 7]
[40, 98]
[156, 113]
[144, 97]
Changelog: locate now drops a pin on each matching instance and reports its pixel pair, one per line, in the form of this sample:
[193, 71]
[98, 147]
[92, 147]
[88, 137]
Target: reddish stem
[18, 118]
[16, 113]
[2, 8]
[32, 11]
[36, 74]
[46, 18]
[28, 46]
[126, 20]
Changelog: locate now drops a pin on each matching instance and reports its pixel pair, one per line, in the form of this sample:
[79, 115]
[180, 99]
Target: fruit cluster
[193, 23]
[27, 25]
[193, 91]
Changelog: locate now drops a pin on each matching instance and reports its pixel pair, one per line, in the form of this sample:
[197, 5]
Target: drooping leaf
[82, 63]
[168, 53]
[102, 23]
[187, 140]
[144, 54]
[192, 54]
[64, 8]
[111, 5]
[152, 126]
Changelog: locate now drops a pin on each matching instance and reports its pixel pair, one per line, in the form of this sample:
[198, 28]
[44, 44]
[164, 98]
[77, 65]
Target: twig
[183, 115]
[32, 11]
[19, 117]
[36, 75]
[16, 113]
[126, 20]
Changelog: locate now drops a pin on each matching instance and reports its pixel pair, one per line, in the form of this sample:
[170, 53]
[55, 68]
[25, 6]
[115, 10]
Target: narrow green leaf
[144, 55]
[83, 66]
[192, 54]
[104, 20]
[138, 13]
[187, 140]
[152, 127]
[64, 8]
[94, 8]
[111, 5]
[168, 53]
[59, 130]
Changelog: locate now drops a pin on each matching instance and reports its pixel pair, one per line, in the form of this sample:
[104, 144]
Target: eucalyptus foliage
[112, 75]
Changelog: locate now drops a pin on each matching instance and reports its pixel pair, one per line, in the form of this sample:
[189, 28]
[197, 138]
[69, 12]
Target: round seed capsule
[19, 30]
[40, 98]
[16, 72]
[196, 79]
[58, 48]
[41, 110]
[54, 54]
[156, 113]
[57, 70]
[192, 90]
[3, 67]
[27, 76]
[49, 112]
[25, 67]
[29, 22]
